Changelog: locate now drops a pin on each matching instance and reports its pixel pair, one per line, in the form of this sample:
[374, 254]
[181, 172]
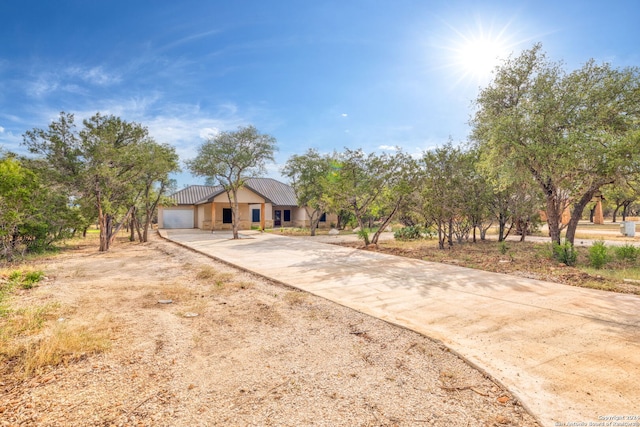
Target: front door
[277, 218]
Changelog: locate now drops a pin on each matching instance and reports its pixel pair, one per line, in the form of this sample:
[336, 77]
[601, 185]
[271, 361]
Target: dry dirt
[257, 354]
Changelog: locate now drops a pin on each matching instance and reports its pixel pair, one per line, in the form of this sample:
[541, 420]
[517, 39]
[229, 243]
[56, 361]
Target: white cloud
[95, 75]
[344, 115]
[206, 133]
[387, 147]
[1, 129]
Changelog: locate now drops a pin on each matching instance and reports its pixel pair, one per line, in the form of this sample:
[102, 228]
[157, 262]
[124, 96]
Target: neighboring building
[263, 203]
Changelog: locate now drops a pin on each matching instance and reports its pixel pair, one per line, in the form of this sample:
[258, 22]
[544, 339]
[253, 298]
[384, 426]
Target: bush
[26, 280]
[565, 253]
[627, 252]
[502, 246]
[408, 233]
[598, 255]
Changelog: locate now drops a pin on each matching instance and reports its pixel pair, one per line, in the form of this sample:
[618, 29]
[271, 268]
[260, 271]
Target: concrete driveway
[571, 355]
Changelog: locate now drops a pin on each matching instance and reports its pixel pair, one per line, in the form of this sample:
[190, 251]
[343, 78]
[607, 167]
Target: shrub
[598, 255]
[502, 246]
[363, 234]
[408, 233]
[627, 252]
[565, 253]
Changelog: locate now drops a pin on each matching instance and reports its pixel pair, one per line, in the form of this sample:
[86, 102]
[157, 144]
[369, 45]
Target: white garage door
[177, 218]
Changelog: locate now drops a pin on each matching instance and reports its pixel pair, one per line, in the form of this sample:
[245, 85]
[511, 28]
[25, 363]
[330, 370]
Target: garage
[177, 218]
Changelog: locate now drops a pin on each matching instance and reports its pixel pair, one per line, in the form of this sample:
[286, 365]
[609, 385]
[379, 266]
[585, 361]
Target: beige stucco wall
[244, 196]
[200, 216]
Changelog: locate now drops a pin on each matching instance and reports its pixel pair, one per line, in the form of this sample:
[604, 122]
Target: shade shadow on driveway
[570, 354]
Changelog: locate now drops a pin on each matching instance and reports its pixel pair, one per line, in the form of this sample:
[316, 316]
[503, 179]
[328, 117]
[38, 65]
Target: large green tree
[230, 158]
[443, 193]
[106, 166]
[359, 180]
[310, 177]
[572, 133]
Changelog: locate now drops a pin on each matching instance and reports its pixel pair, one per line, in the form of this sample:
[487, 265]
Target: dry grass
[296, 297]
[64, 344]
[31, 340]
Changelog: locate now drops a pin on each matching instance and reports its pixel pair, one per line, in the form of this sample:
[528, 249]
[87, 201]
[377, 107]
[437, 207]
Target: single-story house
[263, 203]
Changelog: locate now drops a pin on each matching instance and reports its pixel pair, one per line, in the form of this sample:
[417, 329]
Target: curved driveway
[571, 355]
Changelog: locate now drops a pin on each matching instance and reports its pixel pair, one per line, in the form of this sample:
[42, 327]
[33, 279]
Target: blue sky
[322, 74]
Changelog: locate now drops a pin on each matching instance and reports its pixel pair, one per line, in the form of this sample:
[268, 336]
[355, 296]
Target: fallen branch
[468, 387]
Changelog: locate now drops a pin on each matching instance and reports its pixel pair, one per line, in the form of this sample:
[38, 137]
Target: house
[263, 203]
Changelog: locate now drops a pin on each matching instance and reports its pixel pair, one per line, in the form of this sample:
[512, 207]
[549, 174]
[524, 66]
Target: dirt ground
[256, 354]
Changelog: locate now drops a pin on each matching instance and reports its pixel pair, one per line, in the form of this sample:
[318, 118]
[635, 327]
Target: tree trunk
[553, 218]
[502, 222]
[576, 214]
[441, 235]
[450, 232]
[363, 231]
[615, 213]
[132, 226]
[386, 222]
[104, 223]
[235, 212]
[314, 220]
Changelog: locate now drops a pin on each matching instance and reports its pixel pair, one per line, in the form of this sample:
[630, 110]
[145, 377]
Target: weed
[565, 253]
[64, 345]
[206, 273]
[627, 252]
[295, 298]
[363, 234]
[598, 255]
[25, 279]
[503, 248]
[408, 233]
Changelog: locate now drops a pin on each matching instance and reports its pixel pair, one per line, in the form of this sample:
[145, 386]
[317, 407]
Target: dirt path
[256, 354]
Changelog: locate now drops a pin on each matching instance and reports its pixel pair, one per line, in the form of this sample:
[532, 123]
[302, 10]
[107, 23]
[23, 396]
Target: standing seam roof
[276, 192]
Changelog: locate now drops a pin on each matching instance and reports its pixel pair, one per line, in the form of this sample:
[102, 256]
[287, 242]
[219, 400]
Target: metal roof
[278, 193]
[195, 193]
[275, 192]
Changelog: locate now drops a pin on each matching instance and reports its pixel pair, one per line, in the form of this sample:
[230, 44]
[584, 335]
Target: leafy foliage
[571, 133]
[229, 158]
[102, 171]
[627, 252]
[409, 233]
[565, 253]
[598, 255]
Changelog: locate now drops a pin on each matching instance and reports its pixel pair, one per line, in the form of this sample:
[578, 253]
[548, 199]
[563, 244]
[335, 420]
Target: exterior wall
[245, 216]
[244, 196]
[299, 218]
[200, 216]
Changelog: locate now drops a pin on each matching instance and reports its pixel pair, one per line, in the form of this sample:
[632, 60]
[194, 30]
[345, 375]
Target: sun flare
[473, 54]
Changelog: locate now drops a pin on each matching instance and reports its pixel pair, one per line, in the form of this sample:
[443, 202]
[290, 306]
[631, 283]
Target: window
[255, 215]
[323, 218]
[227, 216]
[287, 215]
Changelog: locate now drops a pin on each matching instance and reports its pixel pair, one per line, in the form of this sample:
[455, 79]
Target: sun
[473, 54]
[477, 57]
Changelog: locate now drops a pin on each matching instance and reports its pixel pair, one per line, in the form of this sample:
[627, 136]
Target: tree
[622, 194]
[310, 176]
[571, 133]
[17, 188]
[104, 169]
[230, 158]
[160, 160]
[400, 180]
[443, 190]
[358, 181]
